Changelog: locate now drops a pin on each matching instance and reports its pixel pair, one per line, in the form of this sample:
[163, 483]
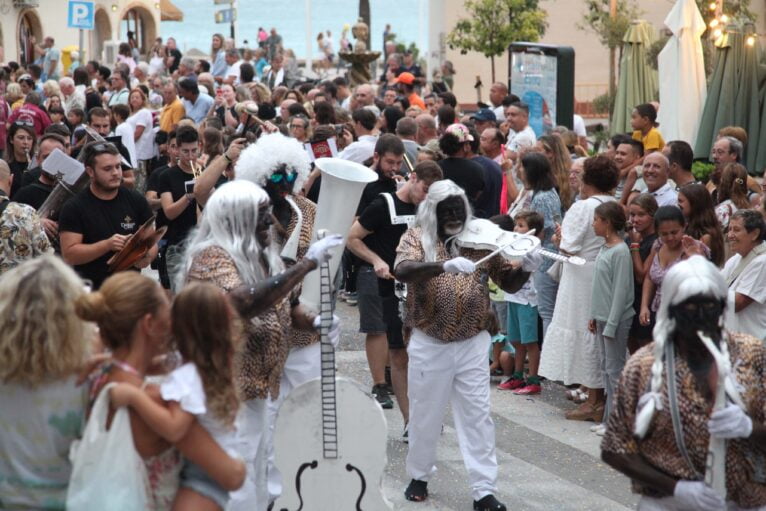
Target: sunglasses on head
[277, 177]
[28, 124]
[103, 147]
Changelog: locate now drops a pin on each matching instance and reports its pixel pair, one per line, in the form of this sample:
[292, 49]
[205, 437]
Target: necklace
[127, 368]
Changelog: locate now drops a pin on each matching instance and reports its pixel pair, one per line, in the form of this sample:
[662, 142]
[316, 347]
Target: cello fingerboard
[329, 401]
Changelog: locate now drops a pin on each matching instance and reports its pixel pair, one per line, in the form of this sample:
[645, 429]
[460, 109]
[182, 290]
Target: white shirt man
[656, 179]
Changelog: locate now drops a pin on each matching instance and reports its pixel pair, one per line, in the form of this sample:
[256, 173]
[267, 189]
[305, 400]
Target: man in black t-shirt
[467, 174]
[374, 237]
[387, 160]
[153, 197]
[98, 221]
[35, 193]
[176, 191]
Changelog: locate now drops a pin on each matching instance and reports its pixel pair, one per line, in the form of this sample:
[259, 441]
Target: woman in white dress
[570, 352]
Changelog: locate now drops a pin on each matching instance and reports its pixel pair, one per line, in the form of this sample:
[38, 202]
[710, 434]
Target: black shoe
[417, 491]
[381, 395]
[488, 503]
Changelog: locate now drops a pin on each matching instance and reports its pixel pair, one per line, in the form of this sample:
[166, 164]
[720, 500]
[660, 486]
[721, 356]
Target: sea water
[288, 17]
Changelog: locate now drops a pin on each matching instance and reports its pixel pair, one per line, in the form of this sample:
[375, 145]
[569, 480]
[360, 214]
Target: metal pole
[82, 43]
[234, 20]
[309, 46]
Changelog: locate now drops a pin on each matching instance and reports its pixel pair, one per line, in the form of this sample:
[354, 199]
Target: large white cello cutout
[330, 437]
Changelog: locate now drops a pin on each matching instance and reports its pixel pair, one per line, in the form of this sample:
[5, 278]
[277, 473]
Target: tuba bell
[343, 182]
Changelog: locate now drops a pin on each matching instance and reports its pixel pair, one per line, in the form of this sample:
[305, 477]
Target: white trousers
[252, 425]
[670, 504]
[456, 373]
[303, 364]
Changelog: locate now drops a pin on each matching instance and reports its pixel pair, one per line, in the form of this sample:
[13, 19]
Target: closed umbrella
[683, 86]
[733, 94]
[638, 81]
[760, 158]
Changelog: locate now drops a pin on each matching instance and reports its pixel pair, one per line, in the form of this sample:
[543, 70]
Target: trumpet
[410, 167]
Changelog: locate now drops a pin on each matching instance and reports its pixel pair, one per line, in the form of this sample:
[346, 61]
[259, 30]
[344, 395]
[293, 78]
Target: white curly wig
[258, 161]
[426, 217]
[695, 276]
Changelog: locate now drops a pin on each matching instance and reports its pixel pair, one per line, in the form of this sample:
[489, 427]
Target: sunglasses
[277, 177]
[28, 124]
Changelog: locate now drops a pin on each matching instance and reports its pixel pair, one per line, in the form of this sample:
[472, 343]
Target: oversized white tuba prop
[342, 185]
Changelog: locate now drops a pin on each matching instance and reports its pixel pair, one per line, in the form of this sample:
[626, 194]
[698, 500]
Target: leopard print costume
[745, 461]
[262, 356]
[448, 307]
[301, 338]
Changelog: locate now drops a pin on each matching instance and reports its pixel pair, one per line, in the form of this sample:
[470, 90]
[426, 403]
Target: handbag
[107, 471]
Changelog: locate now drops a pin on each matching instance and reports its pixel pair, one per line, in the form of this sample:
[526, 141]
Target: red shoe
[511, 383]
[528, 390]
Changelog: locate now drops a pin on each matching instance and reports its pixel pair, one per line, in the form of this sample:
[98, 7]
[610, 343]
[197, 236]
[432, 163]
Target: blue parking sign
[81, 15]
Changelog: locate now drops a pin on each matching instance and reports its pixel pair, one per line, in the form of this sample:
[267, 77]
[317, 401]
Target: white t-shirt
[145, 143]
[666, 195]
[752, 283]
[184, 385]
[126, 133]
[522, 139]
[233, 70]
[578, 126]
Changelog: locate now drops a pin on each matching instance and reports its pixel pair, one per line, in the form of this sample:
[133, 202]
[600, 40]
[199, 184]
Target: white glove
[531, 261]
[697, 496]
[320, 250]
[459, 265]
[731, 422]
[334, 333]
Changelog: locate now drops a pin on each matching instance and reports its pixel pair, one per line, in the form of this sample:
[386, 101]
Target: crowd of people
[215, 158]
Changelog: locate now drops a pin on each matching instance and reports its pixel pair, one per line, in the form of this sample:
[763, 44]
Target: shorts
[197, 480]
[393, 322]
[369, 301]
[501, 313]
[522, 323]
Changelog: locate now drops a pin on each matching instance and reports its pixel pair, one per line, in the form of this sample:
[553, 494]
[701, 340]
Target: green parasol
[638, 81]
[733, 94]
[760, 143]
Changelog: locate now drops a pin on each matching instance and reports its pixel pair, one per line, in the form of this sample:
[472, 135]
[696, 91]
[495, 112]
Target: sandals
[488, 503]
[577, 395]
[417, 491]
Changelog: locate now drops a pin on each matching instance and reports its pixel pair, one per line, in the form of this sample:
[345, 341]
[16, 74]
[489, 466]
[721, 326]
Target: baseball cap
[405, 78]
[484, 115]
[460, 131]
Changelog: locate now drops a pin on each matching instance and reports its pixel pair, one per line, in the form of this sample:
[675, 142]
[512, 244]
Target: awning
[170, 12]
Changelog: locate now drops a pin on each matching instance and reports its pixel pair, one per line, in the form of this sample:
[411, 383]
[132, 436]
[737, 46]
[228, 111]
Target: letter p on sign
[81, 15]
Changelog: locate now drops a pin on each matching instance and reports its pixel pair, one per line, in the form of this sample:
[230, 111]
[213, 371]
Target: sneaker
[406, 434]
[528, 389]
[511, 384]
[351, 298]
[417, 491]
[600, 430]
[381, 395]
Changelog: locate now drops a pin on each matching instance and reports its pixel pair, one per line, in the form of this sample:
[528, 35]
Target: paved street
[546, 461]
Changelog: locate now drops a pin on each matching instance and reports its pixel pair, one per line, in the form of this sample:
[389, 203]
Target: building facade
[23, 20]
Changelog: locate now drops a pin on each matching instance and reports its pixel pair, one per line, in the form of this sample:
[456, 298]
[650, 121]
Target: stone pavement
[546, 462]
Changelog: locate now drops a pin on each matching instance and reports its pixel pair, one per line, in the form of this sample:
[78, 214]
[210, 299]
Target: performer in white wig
[662, 431]
[232, 248]
[447, 308]
[280, 165]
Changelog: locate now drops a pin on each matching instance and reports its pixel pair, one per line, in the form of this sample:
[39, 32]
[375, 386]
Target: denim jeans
[546, 288]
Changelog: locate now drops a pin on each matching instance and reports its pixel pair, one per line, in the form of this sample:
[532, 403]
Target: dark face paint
[450, 216]
[698, 313]
[265, 221]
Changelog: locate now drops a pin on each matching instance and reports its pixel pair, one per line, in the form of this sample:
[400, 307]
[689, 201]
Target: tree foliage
[495, 24]
[610, 31]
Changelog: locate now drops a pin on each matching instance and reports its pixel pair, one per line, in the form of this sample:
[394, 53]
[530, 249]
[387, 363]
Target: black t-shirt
[33, 176]
[467, 174]
[33, 194]
[488, 204]
[372, 190]
[385, 236]
[173, 180]
[176, 59]
[98, 219]
[153, 185]
[644, 249]
[18, 169]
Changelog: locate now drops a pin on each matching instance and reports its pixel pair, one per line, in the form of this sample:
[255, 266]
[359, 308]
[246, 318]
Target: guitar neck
[329, 398]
